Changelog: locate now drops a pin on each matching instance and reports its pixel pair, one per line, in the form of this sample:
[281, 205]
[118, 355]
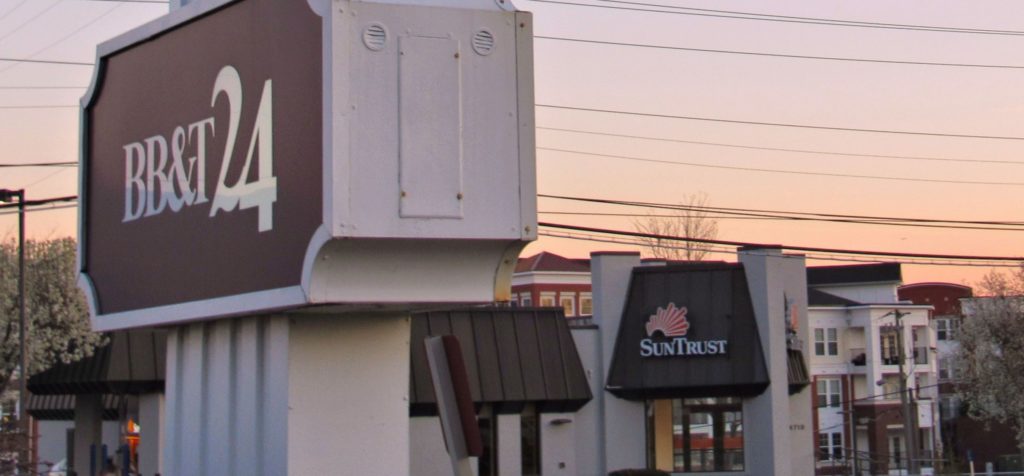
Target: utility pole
[909, 427]
[7, 195]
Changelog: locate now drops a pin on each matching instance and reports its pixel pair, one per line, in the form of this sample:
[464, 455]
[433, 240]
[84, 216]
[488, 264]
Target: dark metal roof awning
[797, 371]
[131, 362]
[62, 407]
[514, 356]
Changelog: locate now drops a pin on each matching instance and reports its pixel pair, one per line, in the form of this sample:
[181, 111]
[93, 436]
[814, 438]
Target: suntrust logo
[671, 322]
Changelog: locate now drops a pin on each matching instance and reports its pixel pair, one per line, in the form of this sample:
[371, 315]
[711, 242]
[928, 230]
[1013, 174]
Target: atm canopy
[689, 311]
[514, 357]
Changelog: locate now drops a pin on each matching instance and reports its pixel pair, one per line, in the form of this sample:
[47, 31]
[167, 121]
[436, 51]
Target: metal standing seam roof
[514, 357]
[62, 407]
[131, 362]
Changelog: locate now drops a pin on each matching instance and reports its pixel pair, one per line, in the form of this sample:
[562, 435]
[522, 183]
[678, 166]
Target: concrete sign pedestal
[297, 394]
[284, 181]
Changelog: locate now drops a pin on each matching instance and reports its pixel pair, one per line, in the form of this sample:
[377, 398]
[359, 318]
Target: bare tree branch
[689, 222]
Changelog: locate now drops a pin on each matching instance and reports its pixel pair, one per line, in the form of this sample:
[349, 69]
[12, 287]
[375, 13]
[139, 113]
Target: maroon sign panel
[202, 157]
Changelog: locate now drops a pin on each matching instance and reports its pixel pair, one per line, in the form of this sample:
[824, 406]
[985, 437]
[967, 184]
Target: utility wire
[778, 171]
[782, 55]
[777, 124]
[724, 210]
[165, 2]
[780, 149]
[41, 164]
[39, 209]
[745, 244]
[13, 9]
[64, 38]
[27, 60]
[736, 15]
[42, 201]
[746, 216]
[30, 20]
[42, 87]
[811, 256]
[43, 106]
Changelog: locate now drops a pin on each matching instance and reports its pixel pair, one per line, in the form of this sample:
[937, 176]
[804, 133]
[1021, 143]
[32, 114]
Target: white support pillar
[622, 421]
[348, 395]
[558, 439]
[510, 444]
[778, 425]
[299, 394]
[151, 438]
[88, 431]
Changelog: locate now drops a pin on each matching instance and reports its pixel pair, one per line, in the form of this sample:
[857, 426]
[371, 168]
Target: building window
[890, 350]
[946, 328]
[949, 407]
[946, 368]
[525, 300]
[568, 301]
[529, 428]
[515, 299]
[826, 341]
[705, 434]
[547, 299]
[586, 304]
[830, 446]
[829, 392]
[896, 452]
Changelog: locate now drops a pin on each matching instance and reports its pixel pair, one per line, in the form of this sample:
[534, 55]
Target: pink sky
[973, 101]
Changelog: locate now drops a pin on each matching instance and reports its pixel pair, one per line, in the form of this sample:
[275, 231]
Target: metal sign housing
[251, 156]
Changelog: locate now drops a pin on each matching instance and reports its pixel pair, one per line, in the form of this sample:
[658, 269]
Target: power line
[165, 2]
[777, 124]
[777, 171]
[41, 164]
[818, 214]
[735, 15]
[13, 9]
[39, 209]
[812, 256]
[27, 60]
[65, 37]
[161, 2]
[42, 201]
[749, 216]
[43, 106]
[745, 244]
[30, 20]
[780, 149]
[782, 55]
[42, 87]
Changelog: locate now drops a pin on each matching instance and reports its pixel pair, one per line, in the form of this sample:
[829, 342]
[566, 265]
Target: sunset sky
[645, 65]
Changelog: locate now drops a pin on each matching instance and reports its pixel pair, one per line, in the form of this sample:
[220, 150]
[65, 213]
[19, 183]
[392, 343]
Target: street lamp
[7, 196]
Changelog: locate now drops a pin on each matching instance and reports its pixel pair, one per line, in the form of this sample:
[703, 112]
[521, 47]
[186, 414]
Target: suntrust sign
[687, 331]
[244, 156]
[671, 322]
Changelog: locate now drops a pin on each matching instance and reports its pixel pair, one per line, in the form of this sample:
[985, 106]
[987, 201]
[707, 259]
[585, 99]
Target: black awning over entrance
[514, 356]
[688, 331]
